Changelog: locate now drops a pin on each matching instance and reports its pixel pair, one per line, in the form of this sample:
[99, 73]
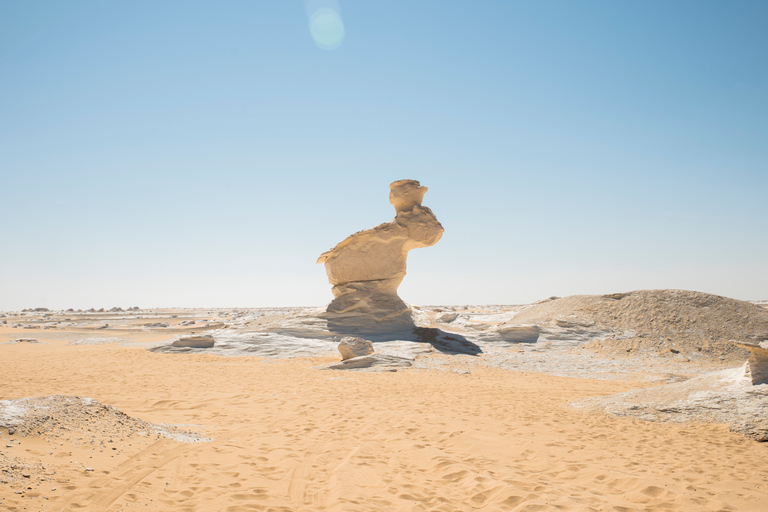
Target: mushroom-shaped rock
[366, 268]
[757, 364]
[354, 347]
[205, 341]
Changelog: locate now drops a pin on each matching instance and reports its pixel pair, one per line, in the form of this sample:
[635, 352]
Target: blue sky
[205, 153]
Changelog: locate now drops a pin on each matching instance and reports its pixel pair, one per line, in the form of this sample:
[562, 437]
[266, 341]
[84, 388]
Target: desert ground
[485, 408]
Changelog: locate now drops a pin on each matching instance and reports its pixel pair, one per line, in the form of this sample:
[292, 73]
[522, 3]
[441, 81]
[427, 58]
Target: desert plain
[483, 408]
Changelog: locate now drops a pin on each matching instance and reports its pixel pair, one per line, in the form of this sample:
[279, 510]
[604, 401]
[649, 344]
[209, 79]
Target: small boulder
[205, 341]
[354, 347]
[447, 318]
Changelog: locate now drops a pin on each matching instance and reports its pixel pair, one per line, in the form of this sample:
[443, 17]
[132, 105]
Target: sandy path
[290, 437]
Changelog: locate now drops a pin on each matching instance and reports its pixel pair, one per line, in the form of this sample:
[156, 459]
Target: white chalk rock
[354, 347]
[366, 268]
[757, 365]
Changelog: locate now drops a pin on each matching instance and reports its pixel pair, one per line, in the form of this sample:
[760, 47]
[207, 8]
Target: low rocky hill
[672, 321]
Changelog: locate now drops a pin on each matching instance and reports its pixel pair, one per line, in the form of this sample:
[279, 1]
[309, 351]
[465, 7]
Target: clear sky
[198, 153]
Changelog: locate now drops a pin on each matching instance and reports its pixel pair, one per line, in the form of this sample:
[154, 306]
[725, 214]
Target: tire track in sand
[304, 473]
[131, 472]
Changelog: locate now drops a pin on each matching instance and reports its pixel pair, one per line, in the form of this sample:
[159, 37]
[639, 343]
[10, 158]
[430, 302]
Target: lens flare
[325, 25]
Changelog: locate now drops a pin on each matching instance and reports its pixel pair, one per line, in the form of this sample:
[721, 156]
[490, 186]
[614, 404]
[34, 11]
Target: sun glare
[325, 25]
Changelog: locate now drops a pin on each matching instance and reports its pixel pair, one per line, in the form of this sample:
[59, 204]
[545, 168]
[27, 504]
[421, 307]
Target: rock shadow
[445, 342]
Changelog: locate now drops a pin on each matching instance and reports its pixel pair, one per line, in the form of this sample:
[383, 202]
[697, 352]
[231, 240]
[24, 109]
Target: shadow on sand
[445, 342]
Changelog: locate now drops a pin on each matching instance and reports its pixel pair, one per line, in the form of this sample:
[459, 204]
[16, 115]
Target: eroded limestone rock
[366, 268]
[757, 364]
[354, 347]
[204, 341]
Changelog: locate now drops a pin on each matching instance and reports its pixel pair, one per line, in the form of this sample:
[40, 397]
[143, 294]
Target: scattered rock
[205, 341]
[447, 318]
[354, 347]
[158, 324]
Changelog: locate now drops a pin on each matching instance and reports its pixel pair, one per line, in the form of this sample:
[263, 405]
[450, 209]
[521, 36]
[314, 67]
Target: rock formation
[725, 396]
[204, 341]
[354, 347]
[757, 364]
[692, 324]
[366, 268]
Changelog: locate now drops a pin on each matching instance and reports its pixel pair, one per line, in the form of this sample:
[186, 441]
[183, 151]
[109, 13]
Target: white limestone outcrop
[367, 267]
[757, 364]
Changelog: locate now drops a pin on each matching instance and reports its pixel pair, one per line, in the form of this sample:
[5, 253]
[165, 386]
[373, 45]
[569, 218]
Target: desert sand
[260, 422]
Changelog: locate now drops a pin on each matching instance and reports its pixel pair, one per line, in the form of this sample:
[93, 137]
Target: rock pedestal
[366, 268]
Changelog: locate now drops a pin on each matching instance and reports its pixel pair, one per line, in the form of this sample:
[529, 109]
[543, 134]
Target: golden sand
[288, 436]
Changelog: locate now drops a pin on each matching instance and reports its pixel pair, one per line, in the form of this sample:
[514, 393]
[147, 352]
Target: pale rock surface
[665, 322]
[757, 364]
[354, 347]
[448, 318]
[205, 341]
[726, 396]
[367, 267]
[373, 363]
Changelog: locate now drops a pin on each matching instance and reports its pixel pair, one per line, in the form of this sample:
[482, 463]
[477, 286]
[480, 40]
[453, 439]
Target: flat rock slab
[230, 342]
[206, 341]
[726, 396]
[377, 362]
